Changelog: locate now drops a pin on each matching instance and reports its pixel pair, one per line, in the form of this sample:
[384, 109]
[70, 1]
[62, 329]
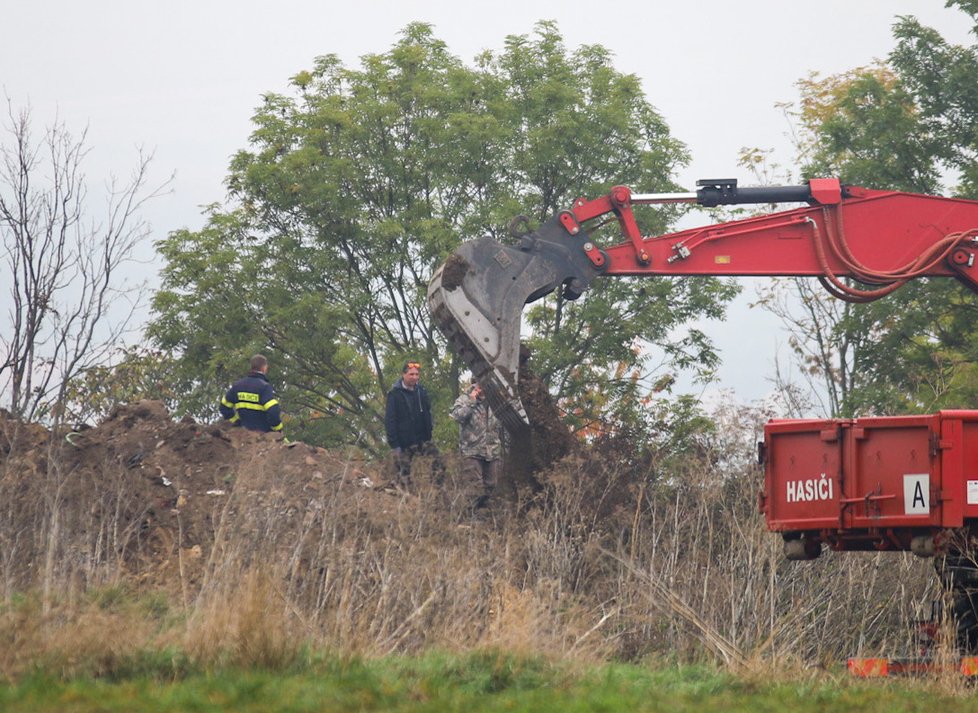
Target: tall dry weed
[244, 622]
[604, 563]
[94, 636]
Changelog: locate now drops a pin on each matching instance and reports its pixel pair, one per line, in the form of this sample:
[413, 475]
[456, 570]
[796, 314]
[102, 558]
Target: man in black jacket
[409, 423]
[251, 401]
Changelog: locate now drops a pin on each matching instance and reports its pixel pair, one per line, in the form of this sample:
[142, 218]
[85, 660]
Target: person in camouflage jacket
[480, 442]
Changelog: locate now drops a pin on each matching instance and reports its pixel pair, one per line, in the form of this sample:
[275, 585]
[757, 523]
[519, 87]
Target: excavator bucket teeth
[476, 299]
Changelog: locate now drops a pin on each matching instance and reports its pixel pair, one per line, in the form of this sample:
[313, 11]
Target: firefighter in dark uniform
[251, 401]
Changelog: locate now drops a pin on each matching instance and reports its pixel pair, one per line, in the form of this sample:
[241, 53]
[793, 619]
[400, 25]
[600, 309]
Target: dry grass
[94, 635]
[247, 623]
[602, 566]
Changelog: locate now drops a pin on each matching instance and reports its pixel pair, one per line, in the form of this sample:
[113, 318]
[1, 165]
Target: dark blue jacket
[251, 402]
[408, 416]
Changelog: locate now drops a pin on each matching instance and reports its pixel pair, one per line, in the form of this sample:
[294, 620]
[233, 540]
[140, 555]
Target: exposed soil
[154, 488]
[545, 443]
[154, 492]
[453, 272]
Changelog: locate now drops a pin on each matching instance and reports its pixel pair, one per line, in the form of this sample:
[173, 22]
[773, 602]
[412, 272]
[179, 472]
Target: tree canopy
[358, 183]
[905, 124]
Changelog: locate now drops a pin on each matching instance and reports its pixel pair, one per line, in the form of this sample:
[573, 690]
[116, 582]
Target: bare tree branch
[71, 301]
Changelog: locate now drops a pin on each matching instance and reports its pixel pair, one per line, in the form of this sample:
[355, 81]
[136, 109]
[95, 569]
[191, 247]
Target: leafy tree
[134, 373]
[864, 125]
[354, 190]
[585, 127]
[347, 200]
[941, 78]
[881, 126]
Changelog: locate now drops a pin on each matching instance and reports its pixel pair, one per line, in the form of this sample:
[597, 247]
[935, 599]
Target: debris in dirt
[141, 488]
[453, 272]
[551, 439]
[550, 458]
[159, 485]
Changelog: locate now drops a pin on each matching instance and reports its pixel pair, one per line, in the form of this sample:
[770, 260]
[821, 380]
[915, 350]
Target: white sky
[181, 78]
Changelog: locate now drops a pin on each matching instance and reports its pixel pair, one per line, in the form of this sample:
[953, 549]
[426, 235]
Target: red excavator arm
[880, 238]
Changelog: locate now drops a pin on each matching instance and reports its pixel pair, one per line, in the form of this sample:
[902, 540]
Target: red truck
[880, 483]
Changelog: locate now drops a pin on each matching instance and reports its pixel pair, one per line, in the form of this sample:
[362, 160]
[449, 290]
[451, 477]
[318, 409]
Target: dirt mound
[160, 499]
[532, 452]
[151, 492]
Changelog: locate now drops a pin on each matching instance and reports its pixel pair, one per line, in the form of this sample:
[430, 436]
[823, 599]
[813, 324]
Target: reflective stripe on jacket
[251, 402]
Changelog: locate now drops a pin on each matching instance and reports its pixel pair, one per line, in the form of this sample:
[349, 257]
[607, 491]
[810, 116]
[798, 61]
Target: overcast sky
[182, 78]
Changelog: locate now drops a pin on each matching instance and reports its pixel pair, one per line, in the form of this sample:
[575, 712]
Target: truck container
[875, 483]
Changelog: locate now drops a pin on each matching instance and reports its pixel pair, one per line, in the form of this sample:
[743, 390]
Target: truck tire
[956, 570]
[963, 609]
[958, 574]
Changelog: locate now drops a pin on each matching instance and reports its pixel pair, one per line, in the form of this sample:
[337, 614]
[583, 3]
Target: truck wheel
[956, 569]
[958, 574]
[965, 615]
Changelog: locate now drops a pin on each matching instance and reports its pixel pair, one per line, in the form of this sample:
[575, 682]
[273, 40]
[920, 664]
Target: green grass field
[487, 681]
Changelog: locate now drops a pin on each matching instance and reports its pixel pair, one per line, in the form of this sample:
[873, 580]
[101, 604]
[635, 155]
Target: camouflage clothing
[479, 434]
[479, 480]
[481, 446]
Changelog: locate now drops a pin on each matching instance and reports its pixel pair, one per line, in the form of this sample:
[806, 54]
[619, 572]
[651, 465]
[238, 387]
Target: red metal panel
[893, 477]
[909, 474]
[965, 459]
[869, 667]
[826, 191]
[803, 474]
[884, 667]
[884, 230]
[952, 451]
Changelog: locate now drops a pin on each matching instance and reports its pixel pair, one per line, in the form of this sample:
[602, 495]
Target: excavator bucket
[476, 299]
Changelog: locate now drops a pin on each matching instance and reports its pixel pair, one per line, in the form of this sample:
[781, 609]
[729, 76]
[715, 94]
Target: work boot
[481, 511]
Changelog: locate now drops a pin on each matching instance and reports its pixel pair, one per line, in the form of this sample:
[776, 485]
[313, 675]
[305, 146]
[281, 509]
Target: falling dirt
[546, 442]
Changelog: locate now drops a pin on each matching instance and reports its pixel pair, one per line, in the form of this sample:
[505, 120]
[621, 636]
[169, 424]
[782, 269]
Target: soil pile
[161, 500]
[546, 442]
[152, 491]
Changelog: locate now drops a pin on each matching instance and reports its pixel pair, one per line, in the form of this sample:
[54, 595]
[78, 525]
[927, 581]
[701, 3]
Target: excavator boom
[880, 238]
